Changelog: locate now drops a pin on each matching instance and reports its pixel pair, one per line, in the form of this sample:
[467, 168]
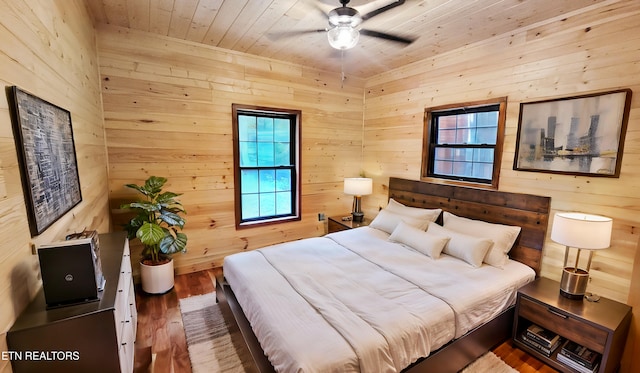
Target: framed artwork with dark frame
[47, 157]
[579, 135]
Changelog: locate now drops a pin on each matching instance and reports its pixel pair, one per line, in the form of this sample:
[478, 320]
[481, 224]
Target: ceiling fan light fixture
[343, 37]
[345, 16]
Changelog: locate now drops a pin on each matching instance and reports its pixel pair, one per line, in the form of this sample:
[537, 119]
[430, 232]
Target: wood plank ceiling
[256, 26]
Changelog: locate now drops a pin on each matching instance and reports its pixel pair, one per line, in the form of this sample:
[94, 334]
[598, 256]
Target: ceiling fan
[344, 29]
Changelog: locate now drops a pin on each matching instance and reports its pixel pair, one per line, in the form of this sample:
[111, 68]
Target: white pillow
[388, 221]
[414, 212]
[468, 248]
[428, 244]
[503, 236]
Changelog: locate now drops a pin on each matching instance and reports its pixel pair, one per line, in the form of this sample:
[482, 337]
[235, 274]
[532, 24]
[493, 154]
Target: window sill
[260, 223]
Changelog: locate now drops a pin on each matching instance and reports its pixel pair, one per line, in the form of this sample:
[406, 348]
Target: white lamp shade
[582, 231]
[358, 186]
[343, 37]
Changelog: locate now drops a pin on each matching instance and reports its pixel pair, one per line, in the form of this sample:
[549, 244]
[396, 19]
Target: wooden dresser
[91, 337]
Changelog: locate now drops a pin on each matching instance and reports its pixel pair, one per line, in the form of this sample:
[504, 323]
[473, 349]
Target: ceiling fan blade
[374, 13]
[286, 34]
[382, 35]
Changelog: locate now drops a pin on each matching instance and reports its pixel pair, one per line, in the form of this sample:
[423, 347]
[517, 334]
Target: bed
[400, 295]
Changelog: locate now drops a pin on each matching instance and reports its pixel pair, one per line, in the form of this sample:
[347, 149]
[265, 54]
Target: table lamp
[583, 232]
[357, 187]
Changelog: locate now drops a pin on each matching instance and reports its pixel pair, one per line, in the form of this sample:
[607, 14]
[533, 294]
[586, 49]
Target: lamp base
[573, 284]
[357, 216]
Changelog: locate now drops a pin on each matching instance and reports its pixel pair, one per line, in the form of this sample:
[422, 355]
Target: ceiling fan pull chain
[342, 69]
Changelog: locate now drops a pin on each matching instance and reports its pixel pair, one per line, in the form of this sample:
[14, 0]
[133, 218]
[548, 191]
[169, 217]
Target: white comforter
[354, 302]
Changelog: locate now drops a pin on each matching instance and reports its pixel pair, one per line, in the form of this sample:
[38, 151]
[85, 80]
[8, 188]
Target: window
[266, 158]
[463, 142]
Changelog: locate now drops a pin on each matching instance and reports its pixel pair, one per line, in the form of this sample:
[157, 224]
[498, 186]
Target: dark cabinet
[90, 337]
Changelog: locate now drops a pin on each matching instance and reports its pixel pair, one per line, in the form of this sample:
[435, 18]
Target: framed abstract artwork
[47, 157]
[579, 135]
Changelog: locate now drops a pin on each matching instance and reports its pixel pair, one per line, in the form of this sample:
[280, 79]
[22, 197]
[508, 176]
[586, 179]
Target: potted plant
[157, 226]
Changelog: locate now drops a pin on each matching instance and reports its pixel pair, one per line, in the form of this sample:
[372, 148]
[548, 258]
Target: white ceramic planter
[157, 279]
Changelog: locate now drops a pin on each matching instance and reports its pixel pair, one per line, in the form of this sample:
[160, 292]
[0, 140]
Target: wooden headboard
[530, 212]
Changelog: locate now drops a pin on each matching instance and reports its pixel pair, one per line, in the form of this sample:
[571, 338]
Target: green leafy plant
[158, 221]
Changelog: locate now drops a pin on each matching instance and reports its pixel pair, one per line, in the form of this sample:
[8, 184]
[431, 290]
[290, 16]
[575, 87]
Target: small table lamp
[357, 187]
[584, 232]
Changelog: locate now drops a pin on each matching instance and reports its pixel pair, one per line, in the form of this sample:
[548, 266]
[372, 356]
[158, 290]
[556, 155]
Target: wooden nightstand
[600, 326]
[336, 223]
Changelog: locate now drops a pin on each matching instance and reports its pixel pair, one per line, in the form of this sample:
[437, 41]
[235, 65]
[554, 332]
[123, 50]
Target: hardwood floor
[161, 345]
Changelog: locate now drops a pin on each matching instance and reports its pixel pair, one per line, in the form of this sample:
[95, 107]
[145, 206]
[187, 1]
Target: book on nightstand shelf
[572, 364]
[581, 355]
[546, 351]
[544, 337]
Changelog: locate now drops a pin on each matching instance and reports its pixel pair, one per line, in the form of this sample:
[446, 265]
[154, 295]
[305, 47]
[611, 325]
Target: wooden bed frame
[527, 211]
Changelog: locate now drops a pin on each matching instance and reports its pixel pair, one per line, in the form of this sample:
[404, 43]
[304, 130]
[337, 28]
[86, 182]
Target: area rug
[488, 363]
[213, 348]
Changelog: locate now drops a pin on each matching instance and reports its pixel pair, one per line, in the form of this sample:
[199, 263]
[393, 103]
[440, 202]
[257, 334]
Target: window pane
[283, 154]
[265, 129]
[247, 128]
[486, 135]
[267, 181]
[464, 162]
[265, 154]
[483, 155]
[447, 136]
[266, 201]
[443, 167]
[283, 180]
[475, 128]
[249, 181]
[267, 204]
[488, 119]
[447, 122]
[462, 169]
[443, 154]
[466, 136]
[482, 170]
[250, 206]
[463, 155]
[465, 121]
[248, 154]
[282, 130]
[283, 203]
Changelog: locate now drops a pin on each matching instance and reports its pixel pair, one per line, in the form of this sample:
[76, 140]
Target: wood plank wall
[167, 109]
[47, 48]
[595, 49]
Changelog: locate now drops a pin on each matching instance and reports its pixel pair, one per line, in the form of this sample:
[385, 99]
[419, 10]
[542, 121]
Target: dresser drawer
[564, 324]
[126, 349]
